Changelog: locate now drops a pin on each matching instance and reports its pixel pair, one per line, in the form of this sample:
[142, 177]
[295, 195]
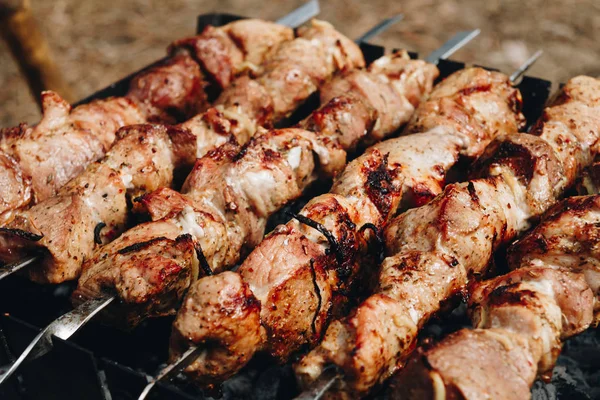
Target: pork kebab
[36, 161]
[93, 208]
[434, 250]
[282, 296]
[522, 318]
[224, 204]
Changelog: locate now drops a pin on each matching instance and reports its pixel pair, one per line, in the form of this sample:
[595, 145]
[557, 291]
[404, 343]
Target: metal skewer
[63, 327]
[379, 28]
[525, 66]
[12, 268]
[331, 374]
[452, 46]
[172, 370]
[191, 353]
[301, 14]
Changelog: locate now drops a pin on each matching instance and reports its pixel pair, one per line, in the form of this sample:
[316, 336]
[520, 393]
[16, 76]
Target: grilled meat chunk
[49, 154]
[227, 51]
[434, 250]
[171, 91]
[300, 275]
[143, 159]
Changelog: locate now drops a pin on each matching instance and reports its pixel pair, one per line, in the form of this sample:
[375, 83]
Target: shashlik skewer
[281, 297]
[223, 206]
[93, 208]
[346, 51]
[35, 162]
[520, 318]
[434, 250]
[344, 95]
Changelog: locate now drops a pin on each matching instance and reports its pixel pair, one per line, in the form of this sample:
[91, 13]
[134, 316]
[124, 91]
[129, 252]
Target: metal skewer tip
[172, 369]
[326, 380]
[379, 28]
[525, 66]
[455, 43]
[63, 327]
[301, 14]
[12, 268]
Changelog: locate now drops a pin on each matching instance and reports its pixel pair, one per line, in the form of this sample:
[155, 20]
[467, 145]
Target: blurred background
[95, 43]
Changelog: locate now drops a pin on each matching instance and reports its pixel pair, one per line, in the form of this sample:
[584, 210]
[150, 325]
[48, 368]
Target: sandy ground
[98, 42]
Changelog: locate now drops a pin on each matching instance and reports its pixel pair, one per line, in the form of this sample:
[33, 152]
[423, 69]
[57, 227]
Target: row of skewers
[295, 288]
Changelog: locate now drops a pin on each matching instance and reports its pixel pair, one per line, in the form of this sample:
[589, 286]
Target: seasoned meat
[303, 277]
[434, 250]
[231, 192]
[294, 72]
[171, 91]
[227, 51]
[68, 223]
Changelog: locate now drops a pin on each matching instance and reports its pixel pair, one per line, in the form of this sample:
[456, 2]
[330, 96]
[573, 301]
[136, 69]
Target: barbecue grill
[104, 363]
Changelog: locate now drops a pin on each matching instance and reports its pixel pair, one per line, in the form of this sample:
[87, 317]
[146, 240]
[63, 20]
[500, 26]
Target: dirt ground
[98, 42]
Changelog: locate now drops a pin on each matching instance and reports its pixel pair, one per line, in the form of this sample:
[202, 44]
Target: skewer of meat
[282, 296]
[236, 160]
[35, 162]
[520, 318]
[434, 250]
[225, 202]
[92, 209]
[411, 83]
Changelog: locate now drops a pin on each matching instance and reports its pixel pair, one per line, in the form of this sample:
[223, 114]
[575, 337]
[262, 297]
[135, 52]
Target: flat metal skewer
[455, 43]
[301, 14]
[12, 268]
[63, 327]
[191, 353]
[380, 28]
[525, 66]
[172, 369]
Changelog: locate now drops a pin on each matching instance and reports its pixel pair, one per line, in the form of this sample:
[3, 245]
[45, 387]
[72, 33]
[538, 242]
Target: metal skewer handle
[63, 327]
[301, 14]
